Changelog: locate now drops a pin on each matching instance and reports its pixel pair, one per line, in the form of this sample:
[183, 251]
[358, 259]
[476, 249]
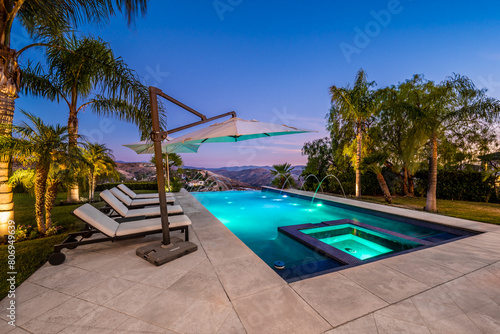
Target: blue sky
[274, 62]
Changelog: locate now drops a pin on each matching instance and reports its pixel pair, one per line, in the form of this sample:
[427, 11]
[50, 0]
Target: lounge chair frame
[72, 241]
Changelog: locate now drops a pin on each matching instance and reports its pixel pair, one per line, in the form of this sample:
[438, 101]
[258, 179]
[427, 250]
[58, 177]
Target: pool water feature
[255, 216]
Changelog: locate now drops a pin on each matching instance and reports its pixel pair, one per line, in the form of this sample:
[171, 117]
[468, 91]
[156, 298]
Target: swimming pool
[255, 216]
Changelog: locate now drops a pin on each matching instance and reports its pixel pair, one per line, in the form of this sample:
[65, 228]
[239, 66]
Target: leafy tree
[282, 175]
[319, 158]
[454, 108]
[42, 20]
[75, 72]
[352, 110]
[41, 145]
[99, 163]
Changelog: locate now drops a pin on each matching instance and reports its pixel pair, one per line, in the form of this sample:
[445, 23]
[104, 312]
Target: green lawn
[483, 212]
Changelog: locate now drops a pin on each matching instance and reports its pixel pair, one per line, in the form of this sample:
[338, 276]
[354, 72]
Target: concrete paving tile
[488, 256]
[186, 262]
[364, 324]
[202, 317]
[28, 290]
[38, 305]
[221, 248]
[133, 299]
[88, 260]
[422, 270]
[440, 312]
[18, 330]
[487, 282]
[435, 304]
[63, 275]
[448, 258]
[387, 283]
[206, 268]
[404, 311]
[165, 309]
[102, 318]
[245, 276]
[40, 326]
[386, 325]
[133, 325]
[232, 325]
[107, 290]
[5, 327]
[84, 330]
[466, 295]
[278, 310]
[192, 284]
[337, 298]
[132, 269]
[82, 283]
[215, 293]
[44, 271]
[486, 318]
[68, 312]
[494, 269]
[164, 277]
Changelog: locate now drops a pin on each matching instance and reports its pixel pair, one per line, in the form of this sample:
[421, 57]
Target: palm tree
[374, 163]
[353, 108]
[169, 160]
[40, 145]
[282, 173]
[42, 20]
[75, 72]
[99, 162]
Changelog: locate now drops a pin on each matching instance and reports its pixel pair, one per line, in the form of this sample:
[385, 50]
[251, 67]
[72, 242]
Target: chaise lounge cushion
[133, 195]
[111, 228]
[136, 202]
[125, 212]
[151, 225]
[97, 219]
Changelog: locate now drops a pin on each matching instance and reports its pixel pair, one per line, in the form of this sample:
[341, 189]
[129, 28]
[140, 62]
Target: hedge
[458, 186]
[131, 185]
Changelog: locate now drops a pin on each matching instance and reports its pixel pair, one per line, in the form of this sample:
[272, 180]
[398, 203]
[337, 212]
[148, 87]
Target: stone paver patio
[225, 288]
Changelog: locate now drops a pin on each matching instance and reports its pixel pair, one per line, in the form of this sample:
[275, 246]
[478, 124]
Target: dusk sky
[274, 62]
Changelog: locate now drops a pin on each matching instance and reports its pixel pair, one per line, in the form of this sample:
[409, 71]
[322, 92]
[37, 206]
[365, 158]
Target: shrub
[458, 186]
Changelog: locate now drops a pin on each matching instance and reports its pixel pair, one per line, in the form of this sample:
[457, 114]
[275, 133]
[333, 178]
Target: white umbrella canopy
[145, 147]
[235, 130]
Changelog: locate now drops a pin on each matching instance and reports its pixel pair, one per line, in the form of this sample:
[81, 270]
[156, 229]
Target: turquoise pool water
[254, 217]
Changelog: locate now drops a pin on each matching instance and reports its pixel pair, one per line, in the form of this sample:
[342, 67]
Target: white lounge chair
[149, 211]
[138, 202]
[98, 222]
[134, 195]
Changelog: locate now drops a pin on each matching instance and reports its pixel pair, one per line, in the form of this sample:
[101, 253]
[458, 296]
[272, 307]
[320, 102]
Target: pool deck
[225, 288]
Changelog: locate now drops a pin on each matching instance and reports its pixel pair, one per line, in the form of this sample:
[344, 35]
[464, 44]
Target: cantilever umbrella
[235, 130]
[146, 147]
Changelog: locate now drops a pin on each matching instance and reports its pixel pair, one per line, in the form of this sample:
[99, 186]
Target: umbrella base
[158, 254]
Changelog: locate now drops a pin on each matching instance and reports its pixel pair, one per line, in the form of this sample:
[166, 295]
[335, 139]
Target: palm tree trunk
[94, 181]
[405, 181]
[40, 188]
[73, 191]
[50, 199]
[10, 79]
[384, 187]
[358, 161]
[411, 185]
[431, 204]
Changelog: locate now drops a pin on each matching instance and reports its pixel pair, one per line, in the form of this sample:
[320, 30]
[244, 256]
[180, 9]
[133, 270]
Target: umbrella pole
[160, 177]
[168, 171]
